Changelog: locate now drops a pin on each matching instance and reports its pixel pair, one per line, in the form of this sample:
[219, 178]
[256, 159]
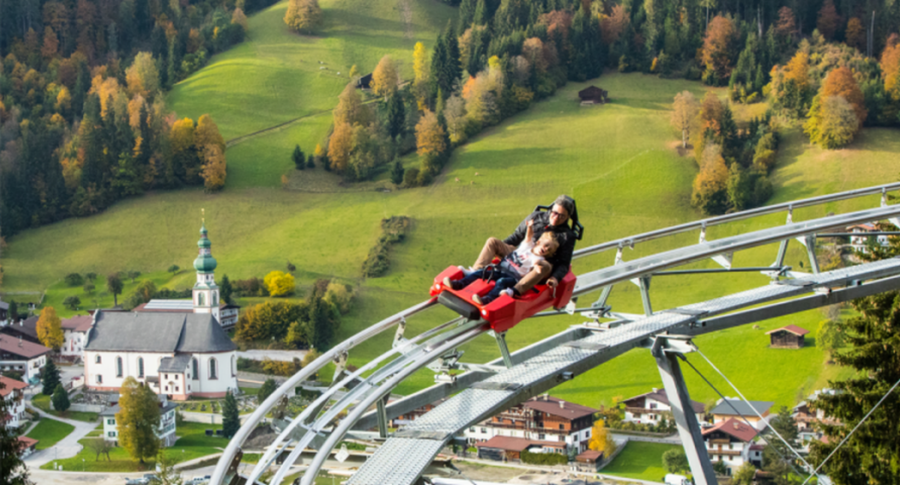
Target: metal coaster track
[541, 366]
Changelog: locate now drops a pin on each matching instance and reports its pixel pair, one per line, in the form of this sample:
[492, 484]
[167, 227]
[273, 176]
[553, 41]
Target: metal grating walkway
[408, 452]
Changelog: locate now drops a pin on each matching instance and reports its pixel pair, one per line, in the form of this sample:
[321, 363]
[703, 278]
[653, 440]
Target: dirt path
[406, 15]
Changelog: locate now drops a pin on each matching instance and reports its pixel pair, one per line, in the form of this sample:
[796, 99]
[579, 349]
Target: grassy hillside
[616, 160]
[276, 76]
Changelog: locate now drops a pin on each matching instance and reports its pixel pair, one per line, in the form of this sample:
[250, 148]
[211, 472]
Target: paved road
[669, 440]
[64, 448]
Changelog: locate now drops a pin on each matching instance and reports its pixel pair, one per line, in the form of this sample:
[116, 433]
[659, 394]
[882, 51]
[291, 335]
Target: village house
[860, 238]
[27, 446]
[179, 354]
[22, 356]
[726, 410]
[508, 448]
[789, 337]
[165, 431]
[25, 328]
[806, 416]
[75, 331]
[541, 420]
[649, 408]
[731, 442]
[12, 391]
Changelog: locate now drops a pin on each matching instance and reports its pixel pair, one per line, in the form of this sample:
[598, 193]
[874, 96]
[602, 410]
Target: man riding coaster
[552, 267]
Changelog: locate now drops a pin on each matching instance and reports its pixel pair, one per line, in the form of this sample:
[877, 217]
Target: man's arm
[563, 259]
[518, 235]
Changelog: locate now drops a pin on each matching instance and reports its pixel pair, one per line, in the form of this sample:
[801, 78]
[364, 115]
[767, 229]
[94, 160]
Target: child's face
[545, 247]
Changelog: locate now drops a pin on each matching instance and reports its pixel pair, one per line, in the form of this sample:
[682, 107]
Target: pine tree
[225, 289]
[452, 67]
[299, 158]
[397, 173]
[60, 399]
[396, 115]
[49, 378]
[466, 14]
[12, 468]
[438, 62]
[323, 328]
[311, 161]
[231, 421]
[870, 455]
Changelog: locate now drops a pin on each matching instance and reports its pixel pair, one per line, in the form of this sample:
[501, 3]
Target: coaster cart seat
[504, 312]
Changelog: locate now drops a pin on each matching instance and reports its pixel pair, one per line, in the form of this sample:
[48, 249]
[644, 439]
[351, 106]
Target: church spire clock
[206, 293]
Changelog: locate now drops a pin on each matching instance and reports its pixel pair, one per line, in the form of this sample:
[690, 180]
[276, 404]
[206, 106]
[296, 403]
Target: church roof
[175, 364]
[158, 332]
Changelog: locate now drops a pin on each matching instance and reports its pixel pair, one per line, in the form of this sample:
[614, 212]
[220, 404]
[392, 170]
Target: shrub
[411, 177]
[72, 302]
[74, 279]
[250, 287]
[393, 231]
[279, 283]
[544, 458]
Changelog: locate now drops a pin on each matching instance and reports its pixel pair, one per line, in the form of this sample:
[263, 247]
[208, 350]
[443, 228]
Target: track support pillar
[666, 352]
[644, 283]
[504, 349]
[382, 418]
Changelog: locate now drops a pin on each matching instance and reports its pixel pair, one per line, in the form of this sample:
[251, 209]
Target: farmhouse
[22, 356]
[648, 408]
[731, 442]
[12, 392]
[27, 446]
[75, 331]
[165, 431]
[861, 238]
[790, 337]
[593, 95]
[205, 293]
[726, 410]
[25, 329]
[806, 416]
[540, 419]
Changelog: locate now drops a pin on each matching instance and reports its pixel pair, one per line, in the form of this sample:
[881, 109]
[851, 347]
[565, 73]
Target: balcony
[725, 452]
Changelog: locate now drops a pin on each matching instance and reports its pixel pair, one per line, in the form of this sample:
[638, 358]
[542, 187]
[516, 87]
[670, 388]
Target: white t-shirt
[522, 260]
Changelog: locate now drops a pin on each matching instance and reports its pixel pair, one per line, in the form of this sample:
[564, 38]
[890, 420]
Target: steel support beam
[504, 349]
[685, 418]
[645, 294]
[382, 419]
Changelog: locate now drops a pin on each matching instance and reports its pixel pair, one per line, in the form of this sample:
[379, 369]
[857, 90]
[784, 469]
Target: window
[167, 388]
[562, 426]
[730, 446]
[167, 376]
[99, 379]
[215, 299]
[111, 422]
[200, 299]
[541, 436]
[213, 371]
[140, 367]
[118, 367]
[483, 430]
[233, 366]
[176, 388]
[111, 434]
[97, 359]
[195, 368]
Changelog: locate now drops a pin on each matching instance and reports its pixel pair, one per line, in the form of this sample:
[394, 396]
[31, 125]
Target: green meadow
[618, 160]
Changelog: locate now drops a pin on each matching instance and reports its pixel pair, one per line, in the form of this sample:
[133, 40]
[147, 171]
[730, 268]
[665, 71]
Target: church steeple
[206, 293]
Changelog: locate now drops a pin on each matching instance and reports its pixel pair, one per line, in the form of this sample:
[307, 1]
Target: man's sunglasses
[559, 214]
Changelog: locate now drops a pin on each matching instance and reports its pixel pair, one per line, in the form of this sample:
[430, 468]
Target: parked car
[199, 480]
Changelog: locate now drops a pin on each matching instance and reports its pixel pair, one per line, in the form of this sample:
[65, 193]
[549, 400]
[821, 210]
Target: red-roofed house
[648, 408]
[503, 448]
[22, 356]
[540, 419]
[12, 391]
[75, 331]
[731, 442]
[26, 446]
[790, 337]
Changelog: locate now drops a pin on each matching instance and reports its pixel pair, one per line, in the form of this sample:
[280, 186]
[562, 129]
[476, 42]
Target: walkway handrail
[630, 241]
[250, 424]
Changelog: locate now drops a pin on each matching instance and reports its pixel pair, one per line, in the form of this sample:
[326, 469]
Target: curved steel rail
[420, 355]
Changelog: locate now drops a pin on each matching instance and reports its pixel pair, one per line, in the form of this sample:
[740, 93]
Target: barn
[789, 337]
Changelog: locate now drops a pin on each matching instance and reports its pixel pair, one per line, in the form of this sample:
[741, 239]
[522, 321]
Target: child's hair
[550, 236]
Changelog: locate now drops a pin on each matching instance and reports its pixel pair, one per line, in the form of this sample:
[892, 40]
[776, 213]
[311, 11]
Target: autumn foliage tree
[840, 82]
[710, 186]
[279, 283]
[684, 114]
[142, 76]
[430, 136]
[385, 77]
[832, 122]
[49, 329]
[828, 20]
[890, 67]
[303, 16]
[601, 439]
[854, 35]
[718, 50]
[138, 419]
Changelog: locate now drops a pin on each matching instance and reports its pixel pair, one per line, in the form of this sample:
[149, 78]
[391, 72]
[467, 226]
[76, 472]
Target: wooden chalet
[789, 337]
[593, 95]
[364, 82]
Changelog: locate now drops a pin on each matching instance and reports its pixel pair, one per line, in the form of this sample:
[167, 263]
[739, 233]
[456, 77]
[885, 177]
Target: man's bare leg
[493, 247]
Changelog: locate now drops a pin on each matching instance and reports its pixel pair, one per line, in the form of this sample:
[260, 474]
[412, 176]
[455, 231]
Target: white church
[177, 353]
